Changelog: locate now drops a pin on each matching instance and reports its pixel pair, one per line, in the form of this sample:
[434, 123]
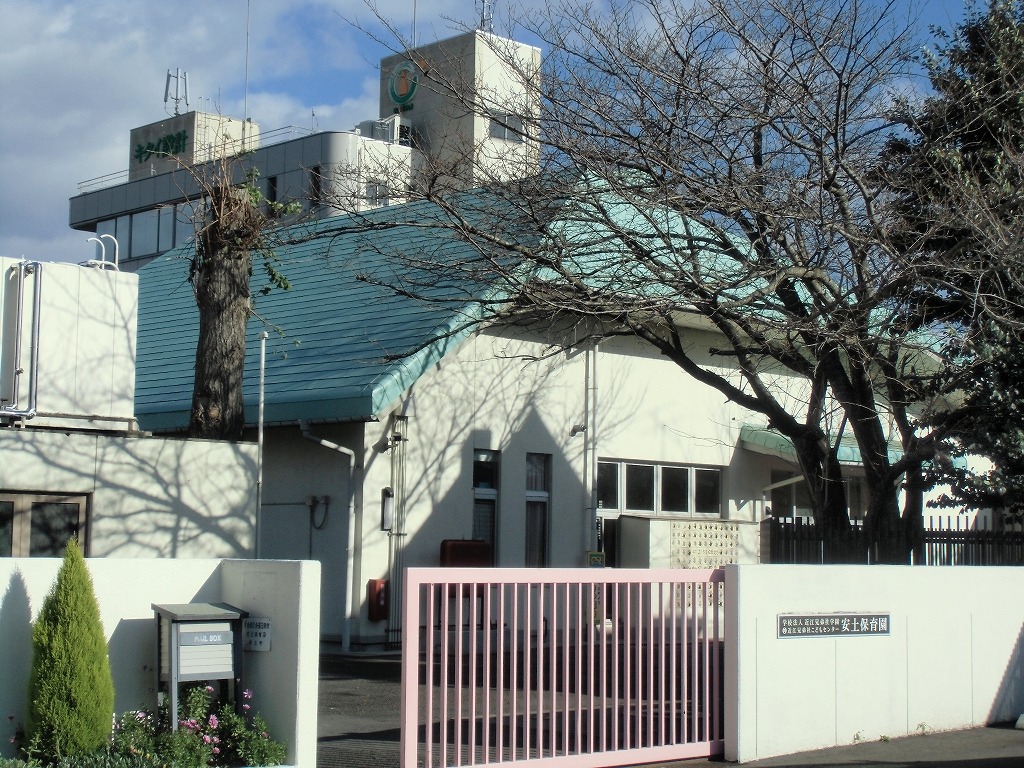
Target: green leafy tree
[71, 691]
[959, 178]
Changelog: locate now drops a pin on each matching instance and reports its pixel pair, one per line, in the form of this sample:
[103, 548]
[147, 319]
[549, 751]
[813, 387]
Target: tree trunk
[221, 283]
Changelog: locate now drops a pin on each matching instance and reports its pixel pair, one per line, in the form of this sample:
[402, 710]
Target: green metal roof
[333, 339]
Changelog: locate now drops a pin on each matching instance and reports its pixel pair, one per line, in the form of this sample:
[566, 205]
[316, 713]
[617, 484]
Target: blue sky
[76, 77]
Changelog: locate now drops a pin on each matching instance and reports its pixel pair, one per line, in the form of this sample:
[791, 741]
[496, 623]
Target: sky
[77, 76]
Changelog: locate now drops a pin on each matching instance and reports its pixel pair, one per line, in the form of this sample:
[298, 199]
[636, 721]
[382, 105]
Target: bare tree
[236, 224]
[715, 165]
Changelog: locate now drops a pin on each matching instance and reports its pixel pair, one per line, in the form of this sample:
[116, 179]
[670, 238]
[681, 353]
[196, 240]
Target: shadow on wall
[1009, 700]
[15, 651]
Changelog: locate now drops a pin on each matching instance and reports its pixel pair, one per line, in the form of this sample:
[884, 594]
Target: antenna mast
[486, 16]
[180, 89]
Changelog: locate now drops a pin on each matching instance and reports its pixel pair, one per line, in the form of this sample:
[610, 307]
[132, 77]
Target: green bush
[71, 691]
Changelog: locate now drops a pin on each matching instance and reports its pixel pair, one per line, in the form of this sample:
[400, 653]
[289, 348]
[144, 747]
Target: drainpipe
[259, 443]
[346, 628]
[13, 410]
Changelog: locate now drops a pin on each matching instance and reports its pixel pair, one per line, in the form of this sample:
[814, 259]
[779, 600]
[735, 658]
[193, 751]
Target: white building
[424, 127]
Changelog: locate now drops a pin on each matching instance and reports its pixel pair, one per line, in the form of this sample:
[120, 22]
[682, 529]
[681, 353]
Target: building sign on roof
[402, 83]
[833, 624]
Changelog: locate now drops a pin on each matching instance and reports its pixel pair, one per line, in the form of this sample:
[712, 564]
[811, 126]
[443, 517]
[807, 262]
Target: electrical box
[197, 642]
[377, 599]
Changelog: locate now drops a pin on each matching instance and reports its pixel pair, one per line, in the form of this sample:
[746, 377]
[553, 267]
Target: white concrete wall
[149, 496]
[954, 656]
[284, 679]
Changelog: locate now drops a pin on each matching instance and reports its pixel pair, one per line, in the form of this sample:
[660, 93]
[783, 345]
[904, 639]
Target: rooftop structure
[457, 108]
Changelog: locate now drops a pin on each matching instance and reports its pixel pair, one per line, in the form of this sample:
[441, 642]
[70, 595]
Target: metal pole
[259, 442]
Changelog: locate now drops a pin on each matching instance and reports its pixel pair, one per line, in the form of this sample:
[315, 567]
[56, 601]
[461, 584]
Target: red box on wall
[377, 599]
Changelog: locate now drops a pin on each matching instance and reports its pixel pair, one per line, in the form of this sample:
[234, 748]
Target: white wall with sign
[283, 593]
[819, 656]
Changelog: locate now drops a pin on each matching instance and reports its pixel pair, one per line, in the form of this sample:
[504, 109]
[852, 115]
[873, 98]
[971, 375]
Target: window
[660, 489]
[538, 500]
[316, 187]
[485, 497]
[40, 526]
[792, 500]
[145, 233]
[507, 127]
[377, 194]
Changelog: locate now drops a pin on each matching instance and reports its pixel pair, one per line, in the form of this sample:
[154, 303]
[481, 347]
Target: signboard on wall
[833, 624]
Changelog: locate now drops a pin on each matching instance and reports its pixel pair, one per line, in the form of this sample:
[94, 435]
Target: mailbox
[197, 642]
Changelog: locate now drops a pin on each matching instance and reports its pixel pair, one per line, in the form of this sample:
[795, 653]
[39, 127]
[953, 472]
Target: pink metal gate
[573, 667]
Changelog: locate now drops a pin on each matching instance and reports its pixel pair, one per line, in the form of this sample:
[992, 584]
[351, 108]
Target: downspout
[13, 410]
[259, 442]
[591, 435]
[346, 627]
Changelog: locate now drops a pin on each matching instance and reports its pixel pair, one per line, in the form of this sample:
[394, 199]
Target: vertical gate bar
[707, 661]
[581, 618]
[552, 717]
[716, 683]
[513, 677]
[566, 647]
[445, 659]
[471, 662]
[500, 688]
[692, 658]
[408, 745]
[627, 670]
[616, 699]
[460, 650]
[485, 683]
[542, 599]
[674, 708]
[429, 676]
[650, 657]
[598, 621]
[662, 680]
[527, 667]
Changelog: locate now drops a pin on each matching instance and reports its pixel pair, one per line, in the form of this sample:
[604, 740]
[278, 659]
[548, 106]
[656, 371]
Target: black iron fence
[944, 541]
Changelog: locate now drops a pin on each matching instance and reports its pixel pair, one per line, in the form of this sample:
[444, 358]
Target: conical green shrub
[71, 691]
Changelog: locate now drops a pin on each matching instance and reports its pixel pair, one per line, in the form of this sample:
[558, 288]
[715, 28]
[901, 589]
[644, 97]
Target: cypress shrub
[71, 691]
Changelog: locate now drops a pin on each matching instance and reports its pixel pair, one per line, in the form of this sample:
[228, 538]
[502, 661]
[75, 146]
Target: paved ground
[358, 727]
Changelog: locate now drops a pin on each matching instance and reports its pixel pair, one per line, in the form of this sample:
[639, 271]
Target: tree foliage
[959, 179]
[71, 691]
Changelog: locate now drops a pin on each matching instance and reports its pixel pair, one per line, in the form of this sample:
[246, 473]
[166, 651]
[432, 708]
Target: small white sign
[256, 634]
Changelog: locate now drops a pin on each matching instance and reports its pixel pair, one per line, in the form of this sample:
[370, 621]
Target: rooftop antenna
[486, 16]
[180, 89]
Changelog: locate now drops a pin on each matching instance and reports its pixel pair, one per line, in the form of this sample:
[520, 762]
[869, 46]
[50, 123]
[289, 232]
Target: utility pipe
[13, 410]
[346, 627]
[259, 441]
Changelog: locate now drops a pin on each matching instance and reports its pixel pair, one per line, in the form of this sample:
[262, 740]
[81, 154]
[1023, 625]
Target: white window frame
[658, 470]
[487, 494]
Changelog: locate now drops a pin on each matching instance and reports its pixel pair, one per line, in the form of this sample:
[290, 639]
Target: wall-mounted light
[577, 429]
[387, 509]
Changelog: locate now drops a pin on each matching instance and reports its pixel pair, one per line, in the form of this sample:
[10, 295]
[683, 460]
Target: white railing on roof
[276, 136]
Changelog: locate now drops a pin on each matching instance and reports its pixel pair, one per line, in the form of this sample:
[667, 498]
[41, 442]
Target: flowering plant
[207, 735]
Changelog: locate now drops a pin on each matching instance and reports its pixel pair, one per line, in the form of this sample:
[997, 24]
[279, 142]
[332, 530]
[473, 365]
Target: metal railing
[581, 667]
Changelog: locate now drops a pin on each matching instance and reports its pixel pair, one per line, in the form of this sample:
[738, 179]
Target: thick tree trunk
[222, 295]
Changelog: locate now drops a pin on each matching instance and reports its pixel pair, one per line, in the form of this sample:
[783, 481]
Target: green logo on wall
[402, 83]
[171, 144]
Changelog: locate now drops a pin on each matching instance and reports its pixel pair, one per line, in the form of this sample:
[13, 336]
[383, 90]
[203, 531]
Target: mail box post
[197, 642]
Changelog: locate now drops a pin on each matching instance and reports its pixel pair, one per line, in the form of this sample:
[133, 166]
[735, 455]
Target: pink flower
[216, 750]
[209, 689]
[206, 738]
[245, 707]
[246, 694]
[213, 721]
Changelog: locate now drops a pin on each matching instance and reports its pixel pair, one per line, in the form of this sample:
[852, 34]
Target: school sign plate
[833, 624]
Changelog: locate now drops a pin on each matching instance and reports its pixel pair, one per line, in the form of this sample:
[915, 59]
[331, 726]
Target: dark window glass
[53, 525]
[675, 489]
[640, 487]
[607, 485]
[708, 491]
